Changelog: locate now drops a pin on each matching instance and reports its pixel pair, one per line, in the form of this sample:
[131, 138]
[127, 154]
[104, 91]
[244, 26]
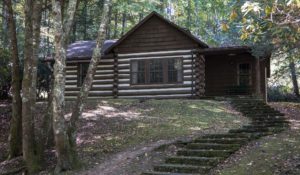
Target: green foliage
[269, 25]
[281, 93]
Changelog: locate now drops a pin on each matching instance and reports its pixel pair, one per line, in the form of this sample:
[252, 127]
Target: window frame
[165, 72]
[250, 74]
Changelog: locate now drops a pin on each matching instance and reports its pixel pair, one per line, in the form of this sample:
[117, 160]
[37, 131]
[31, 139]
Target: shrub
[281, 93]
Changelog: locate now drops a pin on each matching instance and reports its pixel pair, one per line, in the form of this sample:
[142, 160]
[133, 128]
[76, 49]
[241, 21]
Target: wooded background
[264, 25]
[32, 30]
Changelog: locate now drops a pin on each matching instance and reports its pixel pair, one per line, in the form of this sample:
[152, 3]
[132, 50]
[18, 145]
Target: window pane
[174, 70]
[138, 72]
[156, 71]
[134, 68]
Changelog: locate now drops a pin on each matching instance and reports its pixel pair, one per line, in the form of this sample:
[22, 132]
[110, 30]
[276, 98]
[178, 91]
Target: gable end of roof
[182, 30]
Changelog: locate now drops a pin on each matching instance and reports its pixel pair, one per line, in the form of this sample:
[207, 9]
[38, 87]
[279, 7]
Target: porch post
[200, 75]
[257, 78]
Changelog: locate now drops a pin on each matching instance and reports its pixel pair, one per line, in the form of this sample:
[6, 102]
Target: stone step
[227, 135]
[213, 146]
[262, 124]
[177, 168]
[277, 129]
[274, 129]
[266, 122]
[198, 161]
[222, 140]
[267, 117]
[249, 104]
[274, 120]
[204, 153]
[164, 173]
[258, 107]
[256, 114]
[248, 99]
[260, 112]
[249, 130]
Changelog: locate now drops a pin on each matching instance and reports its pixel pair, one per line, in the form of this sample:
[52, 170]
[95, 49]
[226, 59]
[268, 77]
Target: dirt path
[121, 163]
[143, 157]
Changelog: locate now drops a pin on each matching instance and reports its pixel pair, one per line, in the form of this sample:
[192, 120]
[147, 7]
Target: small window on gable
[156, 71]
[244, 74]
[82, 71]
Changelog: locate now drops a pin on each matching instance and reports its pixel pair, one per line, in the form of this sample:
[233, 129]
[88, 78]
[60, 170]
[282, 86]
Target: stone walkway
[204, 153]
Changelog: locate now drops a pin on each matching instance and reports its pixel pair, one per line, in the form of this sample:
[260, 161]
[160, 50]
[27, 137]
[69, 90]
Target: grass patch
[270, 155]
[277, 154]
[110, 126]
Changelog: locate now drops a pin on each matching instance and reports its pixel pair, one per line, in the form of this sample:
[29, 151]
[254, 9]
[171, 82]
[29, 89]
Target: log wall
[102, 84]
[112, 78]
[184, 89]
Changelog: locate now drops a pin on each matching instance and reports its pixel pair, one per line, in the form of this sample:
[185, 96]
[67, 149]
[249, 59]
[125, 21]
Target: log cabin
[159, 59]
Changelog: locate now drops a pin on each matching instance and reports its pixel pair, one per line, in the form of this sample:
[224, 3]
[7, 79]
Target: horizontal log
[104, 72]
[96, 98]
[123, 76]
[160, 53]
[149, 87]
[174, 96]
[91, 94]
[154, 93]
[103, 88]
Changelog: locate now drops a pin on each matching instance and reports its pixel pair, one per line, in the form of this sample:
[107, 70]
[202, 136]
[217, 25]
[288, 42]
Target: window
[244, 74]
[156, 71]
[82, 70]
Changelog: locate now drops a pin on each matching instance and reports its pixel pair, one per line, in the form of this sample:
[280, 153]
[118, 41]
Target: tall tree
[66, 159]
[124, 22]
[30, 153]
[15, 133]
[116, 25]
[294, 77]
[108, 28]
[85, 88]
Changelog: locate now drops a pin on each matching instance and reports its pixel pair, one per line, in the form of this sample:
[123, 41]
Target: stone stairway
[204, 153]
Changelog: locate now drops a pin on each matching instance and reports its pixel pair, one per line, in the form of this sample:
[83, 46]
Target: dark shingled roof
[84, 49]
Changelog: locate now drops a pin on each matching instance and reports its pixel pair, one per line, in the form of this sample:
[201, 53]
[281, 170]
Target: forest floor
[124, 132]
[122, 137]
[277, 154]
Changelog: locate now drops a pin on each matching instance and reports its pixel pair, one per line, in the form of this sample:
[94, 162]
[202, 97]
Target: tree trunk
[36, 22]
[189, 19]
[123, 23]
[66, 159]
[85, 23]
[116, 25]
[15, 133]
[4, 25]
[294, 78]
[29, 144]
[85, 88]
[258, 78]
[108, 28]
[197, 18]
